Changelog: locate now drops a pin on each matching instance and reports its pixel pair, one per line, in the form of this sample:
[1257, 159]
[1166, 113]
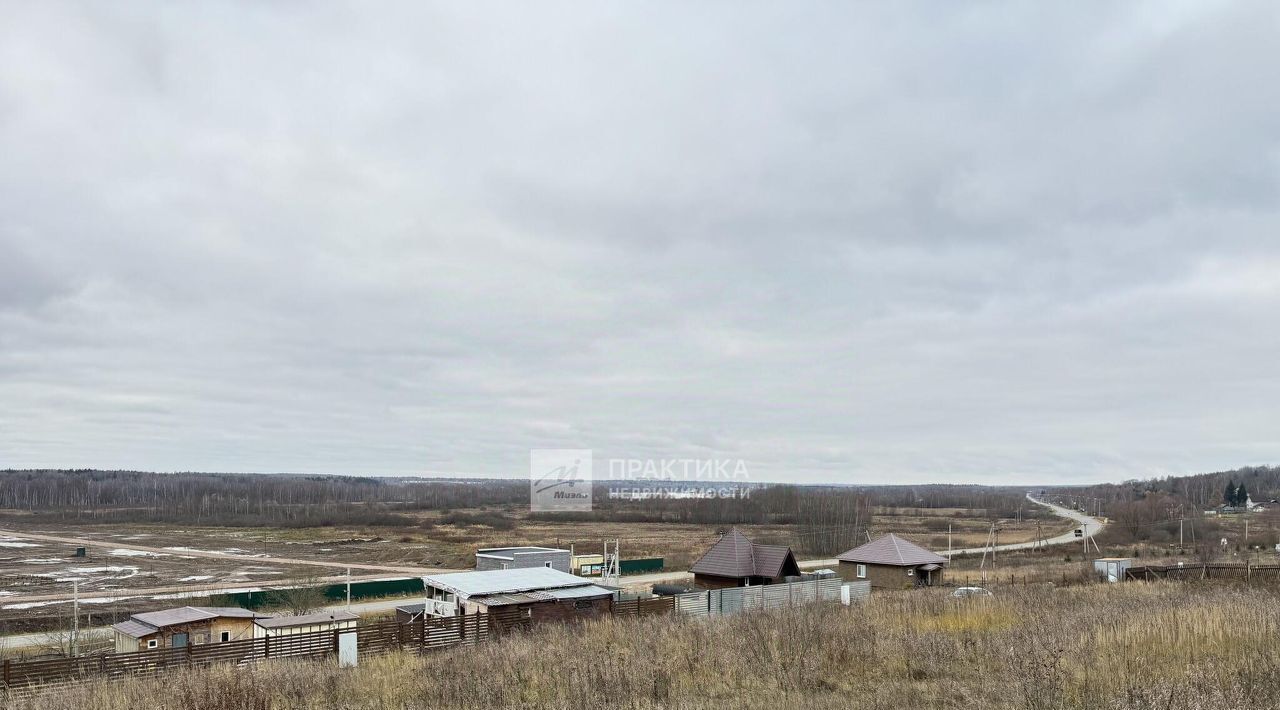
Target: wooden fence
[1241, 573]
[422, 635]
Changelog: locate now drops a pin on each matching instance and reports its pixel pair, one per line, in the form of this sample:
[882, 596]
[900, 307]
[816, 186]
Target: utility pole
[75, 615]
[948, 540]
[1180, 520]
[348, 589]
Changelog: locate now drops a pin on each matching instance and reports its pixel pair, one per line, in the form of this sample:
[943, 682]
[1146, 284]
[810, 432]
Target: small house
[736, 561]
[536, 593]
[587, 565]
[523, 557]
[188, 625]
[1111, 569]
[890, 562]
[304, 623]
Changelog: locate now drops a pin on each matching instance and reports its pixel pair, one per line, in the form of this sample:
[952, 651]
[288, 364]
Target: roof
[323, 617]
[509, 553]
[135, 629]
[892, 550]
[503, 581]
[578, 592]
[735, 555]
[189, 614]
[412, 608]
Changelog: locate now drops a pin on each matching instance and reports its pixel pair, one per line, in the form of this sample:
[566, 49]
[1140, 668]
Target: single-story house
[537, 593]
[188, 625]
[736, 561]
[304, 623]
[521, 557]
[890, 562]
[587, 565]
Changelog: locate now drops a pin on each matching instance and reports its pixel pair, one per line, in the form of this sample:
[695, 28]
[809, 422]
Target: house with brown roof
[183, 626]
[736, 561]
[890, 562]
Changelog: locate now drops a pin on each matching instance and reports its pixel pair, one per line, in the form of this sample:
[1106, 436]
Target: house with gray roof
[892, 562]
[736, 561]
[533, 593]
[184, 626]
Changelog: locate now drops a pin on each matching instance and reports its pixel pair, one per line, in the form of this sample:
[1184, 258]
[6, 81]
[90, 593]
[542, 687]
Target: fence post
[335, 642]
[6, 674]
[188, 653]
[266, 646]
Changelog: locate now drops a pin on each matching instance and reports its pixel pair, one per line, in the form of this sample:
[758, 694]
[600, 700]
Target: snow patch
[124, 552]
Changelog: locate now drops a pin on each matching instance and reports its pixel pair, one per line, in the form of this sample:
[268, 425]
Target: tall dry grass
[1170, 646]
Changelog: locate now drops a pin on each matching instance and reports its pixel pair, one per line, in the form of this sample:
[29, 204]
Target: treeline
[1165, 509]
[240, 499]
[1203, 490]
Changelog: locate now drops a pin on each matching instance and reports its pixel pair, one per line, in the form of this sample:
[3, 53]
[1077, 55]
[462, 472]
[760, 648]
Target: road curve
[1091, 527]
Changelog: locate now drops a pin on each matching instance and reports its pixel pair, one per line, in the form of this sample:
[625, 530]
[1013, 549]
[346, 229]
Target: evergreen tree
[1242, 495]
[1229, 495]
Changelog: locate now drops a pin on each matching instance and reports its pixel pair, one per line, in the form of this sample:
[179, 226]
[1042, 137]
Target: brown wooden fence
[1241, 573]
[423, 635]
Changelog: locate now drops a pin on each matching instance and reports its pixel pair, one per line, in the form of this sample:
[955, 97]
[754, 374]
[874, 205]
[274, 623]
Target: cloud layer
[860, 242]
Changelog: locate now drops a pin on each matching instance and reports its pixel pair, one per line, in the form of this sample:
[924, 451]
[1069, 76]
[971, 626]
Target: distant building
[523, 557]
[183, 626]
[1111, 569]
[538, 593]
[304, 623]
[890, 562]
[736, 561]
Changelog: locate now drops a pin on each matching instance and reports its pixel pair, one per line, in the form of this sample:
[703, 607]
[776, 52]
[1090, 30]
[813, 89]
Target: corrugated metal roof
[189, 614]
[412, 608]
[503, 581]
[134, 629]
[578, 592]
[513, 599]
[324, 617]
[735, 555]
[892, 550]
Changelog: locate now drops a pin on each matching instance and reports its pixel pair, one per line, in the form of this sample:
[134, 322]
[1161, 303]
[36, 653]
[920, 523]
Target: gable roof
[189, 614]
[735, 555]
[892, 550]
[134, 629]
[504, 581]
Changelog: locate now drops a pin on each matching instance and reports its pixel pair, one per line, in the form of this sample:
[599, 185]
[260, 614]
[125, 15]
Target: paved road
[1091, 526]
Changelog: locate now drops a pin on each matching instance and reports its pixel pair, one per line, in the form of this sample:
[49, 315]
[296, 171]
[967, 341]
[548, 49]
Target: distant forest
[1159, 509]
[826, 516]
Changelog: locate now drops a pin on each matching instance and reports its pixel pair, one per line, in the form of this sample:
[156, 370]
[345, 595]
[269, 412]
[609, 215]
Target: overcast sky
[856, 242]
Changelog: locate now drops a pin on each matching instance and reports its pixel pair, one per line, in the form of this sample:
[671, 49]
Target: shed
[183, 626]
[736, 561]
[495, 558]
[304, 623]
[1111, 569]
[535, 593]
[891, 562]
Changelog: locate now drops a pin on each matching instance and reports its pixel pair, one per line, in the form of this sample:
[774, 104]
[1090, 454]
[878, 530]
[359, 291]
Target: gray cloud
[871, 243]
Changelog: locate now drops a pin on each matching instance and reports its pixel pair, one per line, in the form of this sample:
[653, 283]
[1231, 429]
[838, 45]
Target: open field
[1177, 646]
[137, 567]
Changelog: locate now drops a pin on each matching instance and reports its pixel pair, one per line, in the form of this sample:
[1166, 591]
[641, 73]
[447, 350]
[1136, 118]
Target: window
[546, 564]
[226, 636]
[504, 565]
[862, 571]
[151, 643]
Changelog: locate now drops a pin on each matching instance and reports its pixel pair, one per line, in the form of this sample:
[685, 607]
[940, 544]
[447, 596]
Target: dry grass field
[1174, 647]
